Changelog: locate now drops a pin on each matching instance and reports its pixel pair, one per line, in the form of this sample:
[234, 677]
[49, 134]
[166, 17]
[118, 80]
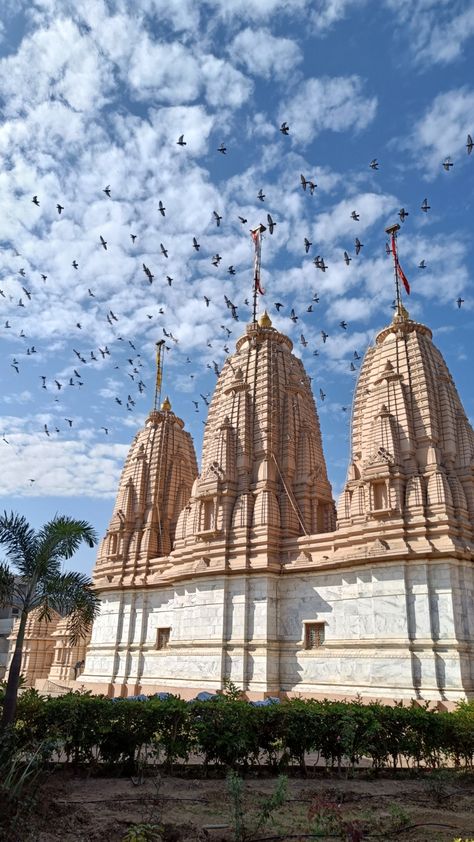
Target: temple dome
[155, 485]
[412, 445]
[263, 467]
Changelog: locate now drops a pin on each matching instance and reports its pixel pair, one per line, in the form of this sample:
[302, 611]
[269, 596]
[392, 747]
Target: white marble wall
[395, 630]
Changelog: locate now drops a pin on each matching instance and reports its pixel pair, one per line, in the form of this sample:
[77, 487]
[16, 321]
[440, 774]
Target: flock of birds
[76, 377]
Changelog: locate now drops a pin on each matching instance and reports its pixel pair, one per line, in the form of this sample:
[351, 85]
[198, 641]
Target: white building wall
[392, 630]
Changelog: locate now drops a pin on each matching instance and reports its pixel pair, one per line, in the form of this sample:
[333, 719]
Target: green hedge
[94, 730]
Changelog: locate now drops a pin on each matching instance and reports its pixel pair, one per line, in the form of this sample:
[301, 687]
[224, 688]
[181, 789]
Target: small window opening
[314, 635]
[162, 638]
[379, 491]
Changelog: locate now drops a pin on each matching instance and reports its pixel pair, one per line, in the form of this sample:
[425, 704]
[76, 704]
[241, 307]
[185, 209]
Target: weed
[144, 832]
[244, 831]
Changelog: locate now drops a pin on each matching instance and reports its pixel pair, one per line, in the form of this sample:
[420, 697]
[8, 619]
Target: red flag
[400, 273]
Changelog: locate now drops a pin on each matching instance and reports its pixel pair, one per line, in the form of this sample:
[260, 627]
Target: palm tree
[39, 583]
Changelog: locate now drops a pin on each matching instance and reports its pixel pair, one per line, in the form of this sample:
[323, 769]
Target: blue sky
[97, 93]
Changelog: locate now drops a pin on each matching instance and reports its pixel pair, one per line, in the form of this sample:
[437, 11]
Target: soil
[433, 807]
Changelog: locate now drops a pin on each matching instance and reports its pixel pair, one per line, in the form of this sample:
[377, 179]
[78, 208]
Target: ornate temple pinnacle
[166, 405]
[265, 320]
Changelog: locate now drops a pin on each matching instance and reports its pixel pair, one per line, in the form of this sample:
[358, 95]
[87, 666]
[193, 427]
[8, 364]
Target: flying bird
[324, 336]
[91, 293]
[459, 302]
[22, 273]
[293, 316]
[243, 220]
[148, 273]
[44, 277]
[207, 300]
[163, 250]
[35, 201]
[181, 141]
[403, 214]
[231, 270]
[196, 245]
[261, 195]
[355, 216]
[169, 279]
[469, 144]
[358, 245]
[27, 293]
[307, 245]
[271, 223]
[422, 264]
[343, 324]
[133, 237]
[347, 259]
[278, 306]
[69, 421]
[217, 218]
[304, 182]
[106, 190]
[374, 164]
[303, 341]
[161, 208]
[59, 208]
[75, 264]
[103, 243]
[284, 128]
[222, 149]
[425, 206]
[356, 355]
[322, 394]
[447, 164]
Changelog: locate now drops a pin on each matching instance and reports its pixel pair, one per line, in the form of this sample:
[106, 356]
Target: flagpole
[392, 232]
[256, 234]
[159, 371]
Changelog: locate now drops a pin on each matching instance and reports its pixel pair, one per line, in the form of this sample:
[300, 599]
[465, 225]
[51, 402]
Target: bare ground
[431, 808]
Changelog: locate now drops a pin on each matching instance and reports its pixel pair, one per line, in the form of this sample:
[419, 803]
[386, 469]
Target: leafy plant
[245, 830]
[36, 557]
[144, 832]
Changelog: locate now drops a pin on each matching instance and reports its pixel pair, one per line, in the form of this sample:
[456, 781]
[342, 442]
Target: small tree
[33, 577]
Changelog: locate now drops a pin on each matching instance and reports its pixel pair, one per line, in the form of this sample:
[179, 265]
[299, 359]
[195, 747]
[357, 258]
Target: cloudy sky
[95, 95]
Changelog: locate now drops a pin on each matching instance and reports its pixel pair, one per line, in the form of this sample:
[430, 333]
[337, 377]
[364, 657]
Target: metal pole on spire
[392, 232]
[257, 288]
[159, 371]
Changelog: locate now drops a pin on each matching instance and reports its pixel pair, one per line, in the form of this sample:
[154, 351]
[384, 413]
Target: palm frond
[59, 539]
[20, 541]
[71, 595]
[7, 585]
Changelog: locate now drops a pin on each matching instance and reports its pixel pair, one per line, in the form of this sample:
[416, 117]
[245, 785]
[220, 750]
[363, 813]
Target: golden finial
[265, 320]
[166, 405]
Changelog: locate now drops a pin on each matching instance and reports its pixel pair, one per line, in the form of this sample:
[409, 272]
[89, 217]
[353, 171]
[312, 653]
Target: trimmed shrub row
[93, 730]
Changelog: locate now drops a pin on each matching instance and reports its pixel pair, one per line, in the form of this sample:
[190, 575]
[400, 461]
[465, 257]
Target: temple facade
[243, 573]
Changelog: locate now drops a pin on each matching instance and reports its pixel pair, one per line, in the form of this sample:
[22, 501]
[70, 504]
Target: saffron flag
[256, 232]
[159, 365]
[400, 273]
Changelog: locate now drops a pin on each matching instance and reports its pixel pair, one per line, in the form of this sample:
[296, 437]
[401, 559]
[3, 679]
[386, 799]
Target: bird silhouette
[403, 214]
[133, 237]
[374, 164]
[44, 277]
[148, 273]
[355, 216]
[322, 394]
[207, 300]
[75, 264]
[103, 243]
[469, 144]
[181, 141]
[196, 245]
[358, 245]
[161, 208]
[261, 195]
[307, 245]
[69, 421]
[422, 264]
[106, 190]
[217, 218]
[425, 206]
[324, 336]
[163, 250]
[459, 302]
[303, 181]
[35, 201]
[284, 128]
[59, 208]
[271, 223]
[293, 316]
[243, 220]
[222, 149]
[343, 324]
[447, 164]
[231, 270]
[278, 305]
[347, 259]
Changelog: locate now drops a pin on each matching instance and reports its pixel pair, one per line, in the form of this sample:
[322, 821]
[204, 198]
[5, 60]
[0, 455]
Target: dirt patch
[433, 808]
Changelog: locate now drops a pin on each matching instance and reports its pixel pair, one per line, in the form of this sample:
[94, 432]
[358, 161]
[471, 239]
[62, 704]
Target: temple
[242, 572]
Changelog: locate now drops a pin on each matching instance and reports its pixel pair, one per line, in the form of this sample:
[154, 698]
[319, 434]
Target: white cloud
[442, 130]
[263, 54]
[435, 31]
[336, 104]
